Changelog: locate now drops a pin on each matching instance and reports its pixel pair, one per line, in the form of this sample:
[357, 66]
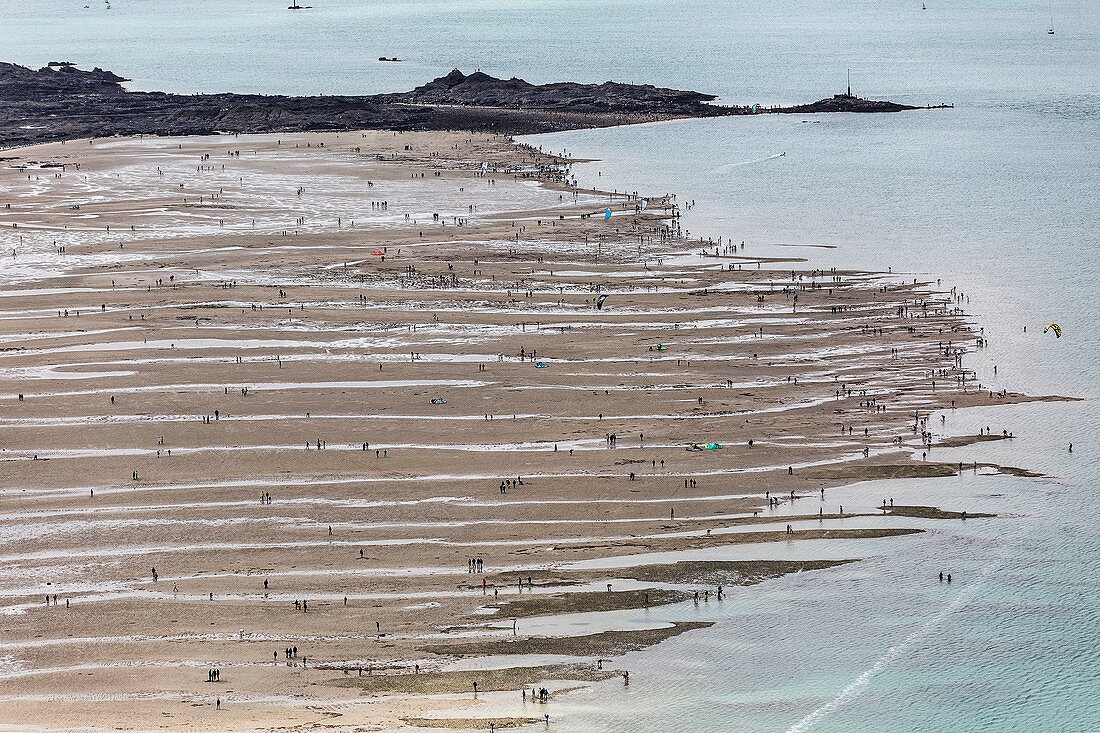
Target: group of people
[542, 694]
[510, 484]
[706, 594]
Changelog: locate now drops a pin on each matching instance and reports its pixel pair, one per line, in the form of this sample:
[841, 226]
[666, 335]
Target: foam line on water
[729, 167]
[856, 687]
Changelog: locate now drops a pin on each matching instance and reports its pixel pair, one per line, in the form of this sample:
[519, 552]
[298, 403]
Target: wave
[856, 687]
[731, 166]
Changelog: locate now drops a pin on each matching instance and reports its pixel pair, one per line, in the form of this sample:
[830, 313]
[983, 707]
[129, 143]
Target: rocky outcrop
[482, 90]
[848, 103]
[18, 83]
[62, 102]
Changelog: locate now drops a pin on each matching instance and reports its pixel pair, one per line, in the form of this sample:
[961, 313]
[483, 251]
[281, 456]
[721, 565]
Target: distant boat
[923, 6]
[296, 6]
[1050, 30]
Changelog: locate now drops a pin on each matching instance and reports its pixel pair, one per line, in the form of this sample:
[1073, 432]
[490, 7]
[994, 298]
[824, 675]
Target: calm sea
[998, 197]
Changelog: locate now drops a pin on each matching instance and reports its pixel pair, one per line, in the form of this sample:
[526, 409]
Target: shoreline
[268, 325]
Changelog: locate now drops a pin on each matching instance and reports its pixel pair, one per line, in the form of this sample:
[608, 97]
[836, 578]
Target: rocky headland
[63, 102]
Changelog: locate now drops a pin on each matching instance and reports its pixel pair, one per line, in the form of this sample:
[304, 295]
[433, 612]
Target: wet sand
[488, 680]
[604, 643]
[470, 723]
[931, 512]
[397, 338]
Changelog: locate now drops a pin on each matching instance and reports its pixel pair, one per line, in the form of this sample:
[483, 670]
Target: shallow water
[883, 644]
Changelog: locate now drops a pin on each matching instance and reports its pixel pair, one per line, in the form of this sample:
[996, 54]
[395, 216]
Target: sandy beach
[362, 395]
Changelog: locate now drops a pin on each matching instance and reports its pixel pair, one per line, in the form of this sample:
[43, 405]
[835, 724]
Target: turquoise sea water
[998, 197]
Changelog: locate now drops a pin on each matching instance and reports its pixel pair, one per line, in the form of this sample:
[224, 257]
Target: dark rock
[63, 102]
[847, 103]
[18, 83]
[481, 90]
